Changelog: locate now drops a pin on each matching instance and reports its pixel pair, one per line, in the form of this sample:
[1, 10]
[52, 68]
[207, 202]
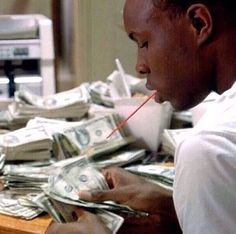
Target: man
[186, 50]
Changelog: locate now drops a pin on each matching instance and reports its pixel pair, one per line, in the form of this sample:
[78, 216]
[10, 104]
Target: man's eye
[144, 45]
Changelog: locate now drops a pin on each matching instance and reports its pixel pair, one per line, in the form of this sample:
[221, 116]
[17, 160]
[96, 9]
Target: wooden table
[10, 225]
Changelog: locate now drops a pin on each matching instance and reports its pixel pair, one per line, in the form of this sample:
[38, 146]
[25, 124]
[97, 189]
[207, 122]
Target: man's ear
[201, 22]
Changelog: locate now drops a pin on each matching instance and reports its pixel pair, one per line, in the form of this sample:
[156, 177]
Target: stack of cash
[119, 158]
[61, 195]
[182, 119]
[26, 144]
[90, 137]
[64, 186]
[160, 174]
[172, 137]
[64, 213]
[4, 119]
[84, 137]
[12, 203]
[78, 174]
[54, 187]
[68, 104]
[100, 93]
[26, 176]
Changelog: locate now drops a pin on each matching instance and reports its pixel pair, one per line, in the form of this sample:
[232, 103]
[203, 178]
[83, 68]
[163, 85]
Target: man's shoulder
[207, 145]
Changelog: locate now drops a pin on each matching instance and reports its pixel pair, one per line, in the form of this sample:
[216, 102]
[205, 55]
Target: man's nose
[142, 68]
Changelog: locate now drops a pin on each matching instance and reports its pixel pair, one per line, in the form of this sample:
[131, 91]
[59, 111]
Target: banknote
[91, 136]
[10, 205]
[172, 137]
[26, 144]
[119, 158]
[64, 213]
[55, 101]
[81, 175]
[73, 103]
[163, 175]
[100, 93]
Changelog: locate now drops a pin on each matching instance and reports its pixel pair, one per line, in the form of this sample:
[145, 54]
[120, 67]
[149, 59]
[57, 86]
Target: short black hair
[179, 6]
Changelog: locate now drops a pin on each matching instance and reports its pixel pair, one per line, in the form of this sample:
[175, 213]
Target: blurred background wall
[88, 36]
[25, 6]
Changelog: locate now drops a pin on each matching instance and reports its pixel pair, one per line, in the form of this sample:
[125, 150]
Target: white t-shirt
[205, 180]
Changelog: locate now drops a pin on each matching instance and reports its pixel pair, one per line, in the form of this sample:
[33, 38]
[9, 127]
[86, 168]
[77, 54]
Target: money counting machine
[26, 55]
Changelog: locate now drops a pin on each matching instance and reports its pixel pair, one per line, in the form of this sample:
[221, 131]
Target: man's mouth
[149, 87]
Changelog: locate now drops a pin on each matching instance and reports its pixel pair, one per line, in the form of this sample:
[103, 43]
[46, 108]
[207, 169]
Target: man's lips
[150, 87]
[158, 98]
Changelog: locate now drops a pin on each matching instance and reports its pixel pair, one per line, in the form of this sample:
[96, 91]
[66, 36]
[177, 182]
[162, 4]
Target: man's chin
[159, 99]
[181, 106]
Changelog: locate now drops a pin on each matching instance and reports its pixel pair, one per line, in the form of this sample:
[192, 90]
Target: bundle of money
[26, 176]
[119, 158]
[85, 136]
[64, 213]
[60, 183]
[73, 103]
[160, 174]
[26, 144]
[100, 93]
[10, 204]
[172, 137]
[66, 182]
[76, 176]
[4, 119]
[90, 136]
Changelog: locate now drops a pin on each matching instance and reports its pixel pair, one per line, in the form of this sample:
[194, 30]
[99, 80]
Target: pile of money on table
[61, 148]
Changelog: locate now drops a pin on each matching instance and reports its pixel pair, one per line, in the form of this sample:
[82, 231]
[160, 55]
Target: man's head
[177, 43]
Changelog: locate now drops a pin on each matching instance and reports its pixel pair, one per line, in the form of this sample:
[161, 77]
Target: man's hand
[87, 223]
[132, 190]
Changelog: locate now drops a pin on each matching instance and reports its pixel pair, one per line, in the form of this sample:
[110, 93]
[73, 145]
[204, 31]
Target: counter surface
[10, 225]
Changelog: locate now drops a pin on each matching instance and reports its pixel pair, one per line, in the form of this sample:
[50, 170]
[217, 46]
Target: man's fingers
[104, 195]
[94, 195]
[85, 195]
[79, 212]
